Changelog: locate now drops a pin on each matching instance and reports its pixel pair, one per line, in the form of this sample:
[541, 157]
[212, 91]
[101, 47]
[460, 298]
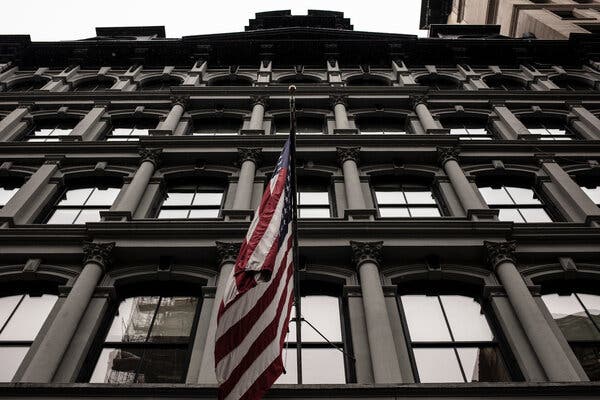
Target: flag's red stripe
[234, 335]
[265, 338]
[264, 381]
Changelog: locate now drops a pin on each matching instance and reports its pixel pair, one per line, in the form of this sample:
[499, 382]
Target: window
[216, 126]
[305, 124]
[6, 193]
[578, 317]
[313, 201]
[593, 193]
[91, 85]
[321, 362]
[21, 318]
[503, 82]
[468, 130]
[516, 204]
[50, 131]
[78, 206]
[439, 82]
[549, 130]
[451, 340]
[192, 201]
[124, 131]
[381, 125]
[149, 341]
[160, 84]
[406, 201]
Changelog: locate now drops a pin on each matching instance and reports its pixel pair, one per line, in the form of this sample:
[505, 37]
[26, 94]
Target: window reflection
[21, 318]
[216, 126]
[148, 341]
[78, 206]
[578, 317]
[305, 124]
[127, 131]
[467, 129]
[381, 125]
[48, 131]
[516, 204]
[313, 202]
[452, 340]
[6, 193]
[593, 192]
[192, 201]
[548, 130]
[410, 201]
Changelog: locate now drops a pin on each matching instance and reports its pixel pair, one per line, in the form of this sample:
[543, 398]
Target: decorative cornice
[446, 154]
[227, 251]
[366, 252]
[249, 154]
[98, 253]
[499, 252]
[348, 153]
[262, 100]
[152, 155]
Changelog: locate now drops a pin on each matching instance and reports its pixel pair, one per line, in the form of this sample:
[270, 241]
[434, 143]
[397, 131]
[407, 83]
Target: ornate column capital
[418, 99]
[227, 251]
[180, 100]
[98, 253]
[348, 153]
[249, 154]
[152, 155]
[338, 99]
[446, 154]
[498, 252]
[366, 252]
[262, 100]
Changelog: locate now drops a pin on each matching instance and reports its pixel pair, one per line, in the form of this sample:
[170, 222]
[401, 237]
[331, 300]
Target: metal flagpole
[297, 305]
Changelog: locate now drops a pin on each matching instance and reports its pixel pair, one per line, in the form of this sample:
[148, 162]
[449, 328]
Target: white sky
[77, 19]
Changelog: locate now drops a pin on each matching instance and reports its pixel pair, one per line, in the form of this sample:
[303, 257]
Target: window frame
[400, 187]
[543, 205]
[81, 207]
[329, 190]
[197, 186]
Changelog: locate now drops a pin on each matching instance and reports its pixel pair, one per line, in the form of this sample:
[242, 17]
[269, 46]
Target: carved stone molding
[249, 154]
[366, 252]
[348, 153]
[98, 253]
[152, 155]
[228, 251]
[446, 154]
[499, 252]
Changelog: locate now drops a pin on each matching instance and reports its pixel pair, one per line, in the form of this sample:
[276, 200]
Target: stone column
[14, 124]
[89, 128]
[129, 201]
[169, 125]
[473, 205]
[249, 159]
[428, 123]
[548, 350]
[585, 123]
[367, 257]
[348, 158]
[227, 253]
[45, 361]
[342, 125]
[258, 112]
[506, 124]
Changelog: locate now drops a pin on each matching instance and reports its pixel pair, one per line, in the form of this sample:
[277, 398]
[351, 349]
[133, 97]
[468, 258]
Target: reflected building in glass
[448, 202]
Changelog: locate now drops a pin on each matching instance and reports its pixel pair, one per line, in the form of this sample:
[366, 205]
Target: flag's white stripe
[258, 214]
[233, 314]
[266, 358]
[228, 363]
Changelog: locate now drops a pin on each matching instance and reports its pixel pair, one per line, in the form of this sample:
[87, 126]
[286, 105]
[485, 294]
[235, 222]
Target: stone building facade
[448, 197]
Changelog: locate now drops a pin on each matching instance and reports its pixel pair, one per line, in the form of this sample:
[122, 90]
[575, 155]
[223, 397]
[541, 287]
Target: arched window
[28, 85]
[314, 198]
[381, 125]
[149, 341]
[160, 83]
[549, 128]
[299, 79]
[405, 198]
[518, 204]
[91, 85]
[367, 80]
[451, 339]
[503, 82]
[467, 128]
[439, 82]
[185, 199]
[216, 126]
[21, 318]
[571, 83]
[577, 314]
[124, 130]
[230, 80]
[48, 130]
[83, 204]
[305, 124]
[321, 361]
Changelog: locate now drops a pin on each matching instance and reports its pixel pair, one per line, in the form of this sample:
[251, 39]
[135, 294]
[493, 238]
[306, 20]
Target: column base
[237, 215]
[367, 214]
[483, 214]
[252, 132]
[348, 131]
[115, 216]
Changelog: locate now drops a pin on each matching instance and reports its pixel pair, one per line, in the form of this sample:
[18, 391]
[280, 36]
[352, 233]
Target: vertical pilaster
[13, 125]
[51, 350]
[367, 257]
[506, 124]
[550, 353]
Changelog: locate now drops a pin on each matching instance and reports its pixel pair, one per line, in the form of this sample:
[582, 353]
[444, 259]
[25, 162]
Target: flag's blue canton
[286, 218]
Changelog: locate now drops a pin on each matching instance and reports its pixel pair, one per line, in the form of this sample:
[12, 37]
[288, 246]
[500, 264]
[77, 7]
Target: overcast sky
[76, 19]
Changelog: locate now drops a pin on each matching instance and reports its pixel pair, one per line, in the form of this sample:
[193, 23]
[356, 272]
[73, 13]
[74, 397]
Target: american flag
[254, 314]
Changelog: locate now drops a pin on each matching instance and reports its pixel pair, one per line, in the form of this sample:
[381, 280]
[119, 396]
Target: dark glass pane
[174, 319]
[437, 365]
[11, 357]
[117, 366]
[466, 320]
[571, 317]
[29, 317]
[133, 319]
[589, 358]
[424, 318]
[483, 364]
[163, 366]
